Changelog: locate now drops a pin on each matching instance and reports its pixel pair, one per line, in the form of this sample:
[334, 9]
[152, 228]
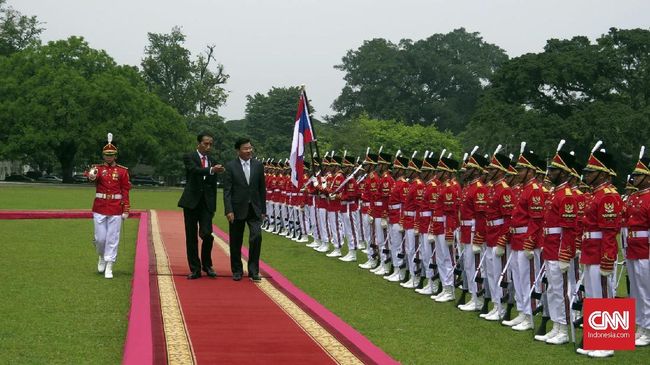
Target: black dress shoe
[194, 275]
[210, 272]
[255, 277]
[236, 276]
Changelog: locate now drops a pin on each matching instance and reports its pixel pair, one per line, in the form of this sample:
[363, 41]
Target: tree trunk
[65, 154]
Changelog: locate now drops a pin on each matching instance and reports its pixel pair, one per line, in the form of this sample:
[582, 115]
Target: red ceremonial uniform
[350, 195]
[527, 216]
[602, 224]
[638, 222]
[432, 207]
[335, 198]
[498, 213]
[559, 230]
[380, 208]
[365, 191]
[412, 204]
[112, 190]
[473, 202]
[450, 193]
[396, 200]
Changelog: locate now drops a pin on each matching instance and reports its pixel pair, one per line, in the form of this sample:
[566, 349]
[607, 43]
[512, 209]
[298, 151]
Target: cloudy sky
[290, 42]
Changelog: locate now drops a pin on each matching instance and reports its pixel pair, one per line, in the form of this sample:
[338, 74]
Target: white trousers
[107, 235]
[410, 250]
[639, 273]
[351, 227]
[493, 269]
[469, 267]
[592, 281]
[335, 232]
[322, 224]
[521, 279]
[426, 254]
[555, 292]
[379, 239]
[443, 260]
[395, 244]
[366, 235]
[312, 226]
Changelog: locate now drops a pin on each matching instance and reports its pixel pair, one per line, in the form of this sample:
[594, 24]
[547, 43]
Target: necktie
[247, 171]
[204, 161]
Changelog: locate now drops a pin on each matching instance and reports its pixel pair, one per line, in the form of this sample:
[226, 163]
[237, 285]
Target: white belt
[409, 214]
[495, 222]
[425, 214]
[292, 194]
[395, 206]
[592, 235]
[638, 234]
[552, 230]
[322, 196]
[348, 202]
[519, 230]
[439, 219]
[365, 204]
[277, 190]
[108, 196]
[379, 204]
[469, 222]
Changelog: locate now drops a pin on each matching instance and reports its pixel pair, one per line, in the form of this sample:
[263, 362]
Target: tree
[270, 120]
[362, 132]
[188, 86]
[17, 31]
[575, 90]
[435, 81]
[62, 98]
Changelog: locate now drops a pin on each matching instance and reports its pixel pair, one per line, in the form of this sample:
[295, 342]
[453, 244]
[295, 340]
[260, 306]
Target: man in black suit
[199, 202]
[244, 196]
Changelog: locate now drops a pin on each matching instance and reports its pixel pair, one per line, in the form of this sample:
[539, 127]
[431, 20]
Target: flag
[303, 133]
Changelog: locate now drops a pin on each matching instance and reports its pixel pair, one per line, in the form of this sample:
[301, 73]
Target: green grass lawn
[410, 327]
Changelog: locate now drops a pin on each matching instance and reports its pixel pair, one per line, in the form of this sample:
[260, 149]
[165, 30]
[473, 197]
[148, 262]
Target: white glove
[315, 183]
[384, 223]
[499, 251]
[431, 236]
[92, 174]
[125, 215]
[529, 254]
[370, 219]
[401, 228]
[476, 249]
[564, 266]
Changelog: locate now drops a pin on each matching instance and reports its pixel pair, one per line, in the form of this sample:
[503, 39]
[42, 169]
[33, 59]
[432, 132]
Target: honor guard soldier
[380, 212]
[559, 234]
[410, 209]
[320, 186]
[430, 206]
[349, 194]
[335, 209]
[602, 224]
[444, 224]
[472, 206]
[637, 252]
[497, 215]
[111, 206]
[368, 188]
[398, 193]
[526, 227]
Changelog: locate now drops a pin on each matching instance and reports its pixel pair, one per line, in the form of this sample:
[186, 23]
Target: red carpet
[232, 322]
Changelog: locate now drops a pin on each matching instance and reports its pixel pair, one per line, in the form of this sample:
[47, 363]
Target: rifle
[567, 305]
[479, 279]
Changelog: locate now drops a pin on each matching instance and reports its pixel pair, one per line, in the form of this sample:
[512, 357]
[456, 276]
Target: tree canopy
[65, 96]
[574, 90]
[434, 81]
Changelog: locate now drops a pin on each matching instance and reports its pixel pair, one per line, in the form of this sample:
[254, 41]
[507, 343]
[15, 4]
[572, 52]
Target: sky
[283, 43]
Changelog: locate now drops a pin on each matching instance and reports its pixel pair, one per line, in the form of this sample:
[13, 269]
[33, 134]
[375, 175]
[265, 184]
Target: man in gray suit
[244, 197]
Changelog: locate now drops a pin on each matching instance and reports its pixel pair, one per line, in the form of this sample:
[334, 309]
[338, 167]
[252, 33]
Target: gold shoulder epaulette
[479, 184]
[568, 192]
[124, 167]
[579, 192]
[504, 184]
[535, 186]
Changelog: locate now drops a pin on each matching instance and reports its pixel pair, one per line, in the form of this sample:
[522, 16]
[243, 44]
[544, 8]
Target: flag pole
[315, 142]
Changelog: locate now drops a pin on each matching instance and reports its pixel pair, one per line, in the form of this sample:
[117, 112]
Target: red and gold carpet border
[178, 344]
